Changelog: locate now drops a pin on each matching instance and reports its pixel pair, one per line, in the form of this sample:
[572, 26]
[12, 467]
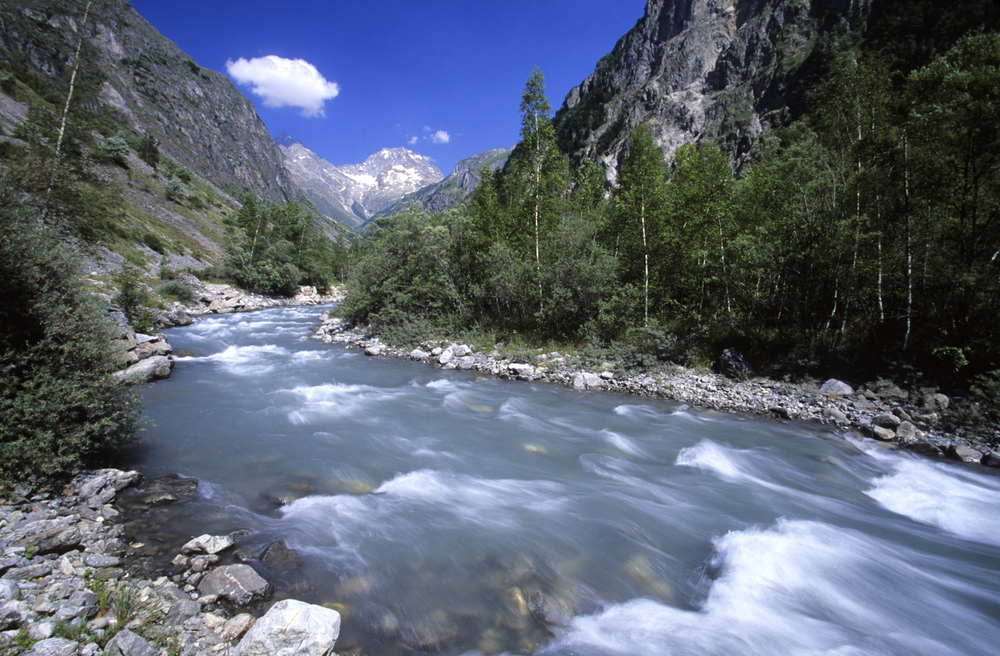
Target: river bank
[67, 587]
[897, 418]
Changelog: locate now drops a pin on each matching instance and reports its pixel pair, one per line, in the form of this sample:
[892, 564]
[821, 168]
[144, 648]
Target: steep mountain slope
[456, 187]
[198, 116]
[694, 69]
[354, 193]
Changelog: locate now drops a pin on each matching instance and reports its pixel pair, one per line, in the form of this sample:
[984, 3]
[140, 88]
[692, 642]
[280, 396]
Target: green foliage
[177, 290]
[116, 150]
[985, 391]
[154, 242]
[275, 249]
[60, 406]
[173, 190]
[131, 300]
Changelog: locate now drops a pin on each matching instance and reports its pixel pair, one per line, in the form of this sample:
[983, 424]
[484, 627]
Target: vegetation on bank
[866, 235]
[61, 407]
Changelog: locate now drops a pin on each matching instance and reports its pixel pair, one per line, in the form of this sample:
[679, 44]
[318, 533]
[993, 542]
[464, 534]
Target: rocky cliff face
[702, 69]
[202, 121]
[455, 188]
[354, 193]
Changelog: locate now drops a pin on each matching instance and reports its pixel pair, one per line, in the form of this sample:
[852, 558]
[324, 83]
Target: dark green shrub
[61, 408]
[131, 300]
[116, 150]
[154, 241]
[174, 190]
[177, 290]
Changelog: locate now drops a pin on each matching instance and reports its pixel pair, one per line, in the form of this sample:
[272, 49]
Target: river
[446, 513]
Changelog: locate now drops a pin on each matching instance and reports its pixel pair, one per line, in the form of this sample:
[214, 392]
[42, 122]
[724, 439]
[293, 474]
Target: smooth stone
[834, 387]
[292, 628]
[963, 453]
[210, 544]
[239, 584]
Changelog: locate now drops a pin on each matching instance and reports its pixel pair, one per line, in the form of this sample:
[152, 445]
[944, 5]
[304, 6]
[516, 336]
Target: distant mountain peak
[354, 193]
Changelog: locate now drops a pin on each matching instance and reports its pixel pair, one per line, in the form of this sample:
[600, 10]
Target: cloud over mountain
[284, 82]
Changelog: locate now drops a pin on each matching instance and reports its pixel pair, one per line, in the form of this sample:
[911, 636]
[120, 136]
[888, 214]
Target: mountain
[705, 69]
[354, 193]
[456, 187]
[199, 117]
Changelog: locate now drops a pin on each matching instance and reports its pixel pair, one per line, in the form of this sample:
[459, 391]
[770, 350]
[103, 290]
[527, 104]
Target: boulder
[292, 628]
[834, 387]
[906, 431]
[56, 540]
[887, 420]
[374, 349]
[936, 402]
[587, 381]
[461, 350]
[279, 557]
[465, 363]
[54, 647]
[155, 368]
[521, 369]
[732, 364]
[236, 627]
[834, 414]
[990, 459]
[239, 584]
[126, 643]
[417, 354]
[963, 453]
[446, 356]
[168, 489]
[209, 544]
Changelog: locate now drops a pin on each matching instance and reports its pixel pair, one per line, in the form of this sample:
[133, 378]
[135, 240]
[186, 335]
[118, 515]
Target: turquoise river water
[445, 513]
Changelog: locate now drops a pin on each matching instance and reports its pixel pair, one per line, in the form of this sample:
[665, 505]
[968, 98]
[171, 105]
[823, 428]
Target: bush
[154, 241]
[61, 408]
[174, 190]
[116, 150]
[176, 289]
[131, 300]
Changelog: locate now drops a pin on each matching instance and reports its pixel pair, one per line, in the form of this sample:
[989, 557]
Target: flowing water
[442, 512]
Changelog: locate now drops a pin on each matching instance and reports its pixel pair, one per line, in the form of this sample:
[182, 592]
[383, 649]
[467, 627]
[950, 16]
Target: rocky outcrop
[701, 69]
[199, 117]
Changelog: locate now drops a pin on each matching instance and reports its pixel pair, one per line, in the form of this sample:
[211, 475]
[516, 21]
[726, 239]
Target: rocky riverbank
[66, 589]
[882, 411]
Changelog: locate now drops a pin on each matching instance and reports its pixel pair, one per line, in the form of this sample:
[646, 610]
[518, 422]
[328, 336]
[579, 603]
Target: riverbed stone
[963, 452]
[53, 647]
[417, 354]
[374, 349]
[209, 544]
[238, 583]
[145, 371]
[126, 643]
[906, 431]
[991, 459]
[834, 387]
[236, 627]
[587, 381]
[292, 628]
[57, 540]
[521, 369]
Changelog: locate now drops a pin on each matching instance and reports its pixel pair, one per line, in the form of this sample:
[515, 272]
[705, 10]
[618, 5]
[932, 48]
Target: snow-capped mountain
[354, 193]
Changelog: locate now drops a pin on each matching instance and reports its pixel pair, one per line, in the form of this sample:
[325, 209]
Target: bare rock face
[198, 115]
[692, 69]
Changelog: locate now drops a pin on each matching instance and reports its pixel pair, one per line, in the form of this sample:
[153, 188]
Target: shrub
[176, 289]
[154, 241]
[116, 150]
[131, 300]
[174, 190]
[61, 408]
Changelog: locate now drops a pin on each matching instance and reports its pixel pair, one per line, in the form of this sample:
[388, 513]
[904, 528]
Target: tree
[639, 205]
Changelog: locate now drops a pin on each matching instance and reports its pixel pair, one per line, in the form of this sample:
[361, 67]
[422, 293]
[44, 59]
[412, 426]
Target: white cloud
[284, 82]
[440, 137]
[412, 141]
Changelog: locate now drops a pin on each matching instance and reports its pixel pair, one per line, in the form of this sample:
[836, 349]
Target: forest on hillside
[865, 234]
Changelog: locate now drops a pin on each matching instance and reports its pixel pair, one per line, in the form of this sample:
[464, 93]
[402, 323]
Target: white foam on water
[245, 360]
[319, 403]
[800, 587]
[623, 444]
[486, 502]
[640, 411]
[941, 495]
[712, 457]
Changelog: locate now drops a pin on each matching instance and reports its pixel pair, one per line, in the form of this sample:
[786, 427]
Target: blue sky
[442, 78]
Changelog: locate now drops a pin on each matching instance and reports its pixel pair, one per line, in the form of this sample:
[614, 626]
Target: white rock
[292, 628]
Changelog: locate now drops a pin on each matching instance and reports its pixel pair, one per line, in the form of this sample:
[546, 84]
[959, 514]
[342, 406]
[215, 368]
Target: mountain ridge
[354, 193]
